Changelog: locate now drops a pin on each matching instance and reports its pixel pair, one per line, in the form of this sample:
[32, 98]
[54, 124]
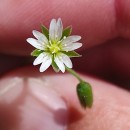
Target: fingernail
[10, 89]
[44, 109]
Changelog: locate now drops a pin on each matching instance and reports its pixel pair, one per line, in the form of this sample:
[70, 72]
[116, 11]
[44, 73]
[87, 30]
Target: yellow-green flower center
[54, 47]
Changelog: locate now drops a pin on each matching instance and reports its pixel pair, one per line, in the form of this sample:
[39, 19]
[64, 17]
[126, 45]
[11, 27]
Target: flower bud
[84, 92]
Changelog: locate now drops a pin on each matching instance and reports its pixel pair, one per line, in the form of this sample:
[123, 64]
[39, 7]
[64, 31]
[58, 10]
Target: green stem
[74, 74]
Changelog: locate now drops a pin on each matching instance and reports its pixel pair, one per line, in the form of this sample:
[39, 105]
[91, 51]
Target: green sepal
[85, 95]
[72, 54]
[55, 67]
[67, 31]
[36, 52]
[45, 31]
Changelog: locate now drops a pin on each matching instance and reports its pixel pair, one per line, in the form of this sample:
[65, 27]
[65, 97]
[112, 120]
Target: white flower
[53, 50]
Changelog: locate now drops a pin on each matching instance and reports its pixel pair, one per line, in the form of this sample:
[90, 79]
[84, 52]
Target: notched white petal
[71, 39]
[55, 30]
[66, 60]
[59, 29]
[35, 43]
[41, 37]
[52, 29]
[59, 64]
[72, 47]
[39, 59]
[46, 63]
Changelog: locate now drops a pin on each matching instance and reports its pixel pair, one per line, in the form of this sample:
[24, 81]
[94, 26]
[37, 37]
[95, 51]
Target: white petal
[59, 29]
[66, 60]
[42, 38]
[35, 43]
[46, 63]
[59, 64]
[52, 29]
[72, 47]
[55, 30]
[71, 39]
[39, 59]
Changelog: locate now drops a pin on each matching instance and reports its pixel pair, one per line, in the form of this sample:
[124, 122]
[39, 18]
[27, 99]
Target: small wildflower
[55, 48]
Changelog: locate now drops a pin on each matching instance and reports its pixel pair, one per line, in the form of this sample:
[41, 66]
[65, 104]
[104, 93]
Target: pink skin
[111, 19]
[97, 21]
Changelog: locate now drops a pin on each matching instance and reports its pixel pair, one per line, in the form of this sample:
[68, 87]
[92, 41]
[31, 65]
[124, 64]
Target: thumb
[43, 101]
[30, 104]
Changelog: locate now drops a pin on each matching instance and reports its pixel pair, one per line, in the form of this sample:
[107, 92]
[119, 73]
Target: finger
[109, 18]
[30, 104]
[123, 17]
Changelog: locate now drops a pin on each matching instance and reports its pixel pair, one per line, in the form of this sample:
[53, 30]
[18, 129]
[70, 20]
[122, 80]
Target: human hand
[22, 102]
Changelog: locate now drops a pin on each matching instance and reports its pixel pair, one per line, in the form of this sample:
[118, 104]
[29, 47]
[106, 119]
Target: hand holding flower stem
[55, 47]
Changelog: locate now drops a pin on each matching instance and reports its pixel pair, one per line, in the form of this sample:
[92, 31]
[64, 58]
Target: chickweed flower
[54, 47]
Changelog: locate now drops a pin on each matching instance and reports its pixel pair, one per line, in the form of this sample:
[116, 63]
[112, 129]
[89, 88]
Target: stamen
[50, 42]
[53, 51]
[64, 37]
[58, 42]
[48, 46]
